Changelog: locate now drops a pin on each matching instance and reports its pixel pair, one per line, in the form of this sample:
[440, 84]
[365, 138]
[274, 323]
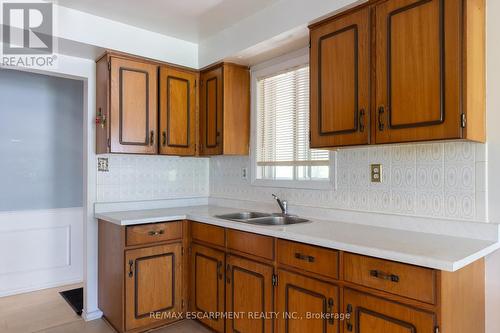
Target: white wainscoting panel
[40, 249]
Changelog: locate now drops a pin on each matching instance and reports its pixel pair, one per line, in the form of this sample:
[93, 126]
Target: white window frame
[275, 66]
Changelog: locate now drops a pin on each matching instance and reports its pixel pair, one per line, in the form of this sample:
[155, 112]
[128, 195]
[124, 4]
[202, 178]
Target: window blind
[283, 121]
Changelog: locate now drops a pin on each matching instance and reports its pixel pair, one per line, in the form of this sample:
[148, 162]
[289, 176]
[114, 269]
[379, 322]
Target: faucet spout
[282, 203]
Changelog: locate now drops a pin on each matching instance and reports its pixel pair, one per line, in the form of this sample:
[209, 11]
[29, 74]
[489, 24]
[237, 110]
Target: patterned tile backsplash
[135, 177]
[445, 180]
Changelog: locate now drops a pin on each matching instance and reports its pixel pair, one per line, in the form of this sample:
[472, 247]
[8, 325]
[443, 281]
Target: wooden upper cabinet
[211, 112]
[133, 107]
[207, 285]
[340, 81]
[300, 295]
[370, 314]
[249, 289]
[177, 112]
[422, 75]
[224, 110]
[153, 283]
[423, 79]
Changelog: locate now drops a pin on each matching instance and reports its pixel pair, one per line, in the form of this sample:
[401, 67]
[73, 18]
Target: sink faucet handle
[275, 196]
[285, 207]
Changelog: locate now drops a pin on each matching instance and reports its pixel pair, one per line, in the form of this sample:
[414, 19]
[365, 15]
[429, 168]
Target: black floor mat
[74, 297]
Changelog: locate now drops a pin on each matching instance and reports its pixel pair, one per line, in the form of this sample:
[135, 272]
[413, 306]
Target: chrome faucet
[283, 204]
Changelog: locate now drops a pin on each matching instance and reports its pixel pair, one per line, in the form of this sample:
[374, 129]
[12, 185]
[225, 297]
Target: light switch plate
[376, 173]
[102, 164]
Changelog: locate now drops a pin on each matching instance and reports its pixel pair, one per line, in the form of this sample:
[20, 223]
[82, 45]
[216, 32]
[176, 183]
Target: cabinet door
[207, 285]
[299, 296]
[211, 105]
[134, 107]
[177, 112]
[340, 81]
[249, 290]
[153, 283]
[370, 314]
[418, 66]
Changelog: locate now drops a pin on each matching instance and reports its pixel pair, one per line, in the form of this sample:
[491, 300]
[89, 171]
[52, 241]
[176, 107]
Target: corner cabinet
[178, 97]
[127, 106]
[426, 78]
[224, 126]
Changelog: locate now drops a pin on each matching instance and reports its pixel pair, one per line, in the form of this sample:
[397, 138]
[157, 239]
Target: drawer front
[401, 279]
[207, 233]
[153, 233]
[253, 244]
[310, 258]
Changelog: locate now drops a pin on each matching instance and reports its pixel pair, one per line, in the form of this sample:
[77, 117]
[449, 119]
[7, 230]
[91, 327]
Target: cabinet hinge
[195, 83]
[275, 279]
[182, 304]
[109, 143]
[309, 43]
[309, 136]
[189, 250]
[182, 251]
[463, 120]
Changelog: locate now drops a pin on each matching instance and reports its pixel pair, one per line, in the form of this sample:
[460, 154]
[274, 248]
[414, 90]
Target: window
[282, 119]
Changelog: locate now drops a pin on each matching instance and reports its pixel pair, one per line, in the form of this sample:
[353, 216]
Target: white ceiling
[191, 20]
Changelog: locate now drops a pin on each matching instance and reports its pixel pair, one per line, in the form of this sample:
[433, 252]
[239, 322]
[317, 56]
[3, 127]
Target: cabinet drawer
[310, 258]
[253, 244]
[154, 232]
[401, 279]
[207, 233]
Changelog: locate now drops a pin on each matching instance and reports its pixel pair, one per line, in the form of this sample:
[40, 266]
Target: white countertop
[441, 252]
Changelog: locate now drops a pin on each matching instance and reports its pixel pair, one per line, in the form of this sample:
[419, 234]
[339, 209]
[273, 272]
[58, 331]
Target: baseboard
[92, 315]
[39, 287]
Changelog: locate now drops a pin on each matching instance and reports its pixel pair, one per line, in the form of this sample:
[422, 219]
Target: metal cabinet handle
[381, 111]
[164, 138]
[130, 268]
[348, 322]
[152, 138]
[384, 276]
[156, 233]
[301, 256]
[330, 311]
[219, 270]
[228, 270]
[362, 120]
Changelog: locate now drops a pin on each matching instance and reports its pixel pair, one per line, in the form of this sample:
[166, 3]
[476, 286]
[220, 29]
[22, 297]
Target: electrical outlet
[244, 173]
[102, 164]
[376, 173]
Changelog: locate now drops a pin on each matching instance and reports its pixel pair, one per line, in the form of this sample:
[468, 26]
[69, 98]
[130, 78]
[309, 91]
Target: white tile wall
[437, 180]
[135, 177]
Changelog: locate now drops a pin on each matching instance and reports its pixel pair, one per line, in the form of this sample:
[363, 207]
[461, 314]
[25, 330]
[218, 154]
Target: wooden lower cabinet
[207, 285]
[370, 314]
[153, 284]
[306, 305]
[249, 295]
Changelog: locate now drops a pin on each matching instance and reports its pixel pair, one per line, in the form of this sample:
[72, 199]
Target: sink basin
[277, 220]
[262, 218]
[242, 216]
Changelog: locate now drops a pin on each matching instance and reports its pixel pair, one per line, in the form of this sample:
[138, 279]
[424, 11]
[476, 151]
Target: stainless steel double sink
[262, 218]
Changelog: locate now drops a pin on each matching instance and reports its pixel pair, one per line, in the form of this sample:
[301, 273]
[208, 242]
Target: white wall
[493, 119]
[40, 249]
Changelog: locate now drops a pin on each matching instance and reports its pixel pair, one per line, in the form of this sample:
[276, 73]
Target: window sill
[296, 184]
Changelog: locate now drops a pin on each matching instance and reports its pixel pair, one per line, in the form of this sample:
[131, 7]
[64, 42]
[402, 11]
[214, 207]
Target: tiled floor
[46, 311]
